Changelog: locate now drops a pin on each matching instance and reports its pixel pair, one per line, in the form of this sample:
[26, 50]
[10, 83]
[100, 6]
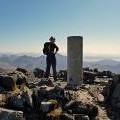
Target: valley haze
[37, 60]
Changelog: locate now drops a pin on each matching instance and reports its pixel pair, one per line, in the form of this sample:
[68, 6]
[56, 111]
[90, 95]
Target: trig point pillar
[75, 60]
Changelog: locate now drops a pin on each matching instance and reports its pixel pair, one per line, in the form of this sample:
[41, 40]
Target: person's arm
[57, 49]
[44, 49]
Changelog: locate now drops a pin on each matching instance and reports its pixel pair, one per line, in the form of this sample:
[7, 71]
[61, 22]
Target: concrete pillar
[75, 60]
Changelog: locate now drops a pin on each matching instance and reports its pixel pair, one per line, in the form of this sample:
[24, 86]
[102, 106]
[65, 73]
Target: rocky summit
[26, 95]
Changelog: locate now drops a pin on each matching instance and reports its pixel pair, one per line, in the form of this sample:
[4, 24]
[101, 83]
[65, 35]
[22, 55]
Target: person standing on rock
[50, 49]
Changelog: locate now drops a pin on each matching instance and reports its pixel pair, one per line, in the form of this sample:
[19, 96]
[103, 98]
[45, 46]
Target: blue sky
[26, 24]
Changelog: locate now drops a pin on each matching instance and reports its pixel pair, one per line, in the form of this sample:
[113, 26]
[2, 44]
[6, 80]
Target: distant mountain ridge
[108, 62]
[30, 62]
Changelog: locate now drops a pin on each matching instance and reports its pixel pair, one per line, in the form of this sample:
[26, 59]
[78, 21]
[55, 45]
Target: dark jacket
[49, 48]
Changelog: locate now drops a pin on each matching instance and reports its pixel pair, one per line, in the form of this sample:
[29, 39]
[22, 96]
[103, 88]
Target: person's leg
[54, 68]
[48, 65]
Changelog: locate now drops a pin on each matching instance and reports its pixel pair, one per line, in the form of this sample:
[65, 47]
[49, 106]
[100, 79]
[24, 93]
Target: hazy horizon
[85, 56]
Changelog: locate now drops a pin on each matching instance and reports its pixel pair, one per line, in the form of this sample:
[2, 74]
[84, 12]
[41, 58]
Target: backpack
[46, 48]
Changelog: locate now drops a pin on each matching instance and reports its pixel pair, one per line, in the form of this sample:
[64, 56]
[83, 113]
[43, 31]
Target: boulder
[108, 90]
[2, 89]
[67, 116]
[39, 95]
[115, 98]
[16, 102]
[46, 82]
[29, 74]
[19, 77]
[77, 107]
[59, 94]
[22, 79]
[89, 77]
[39, 73]
[6, 114]
[55, 93]
[90, 110]
[22, 101]
[81, 117]
[7, 82]
[23, 70]
[111, 91]
[47, 106]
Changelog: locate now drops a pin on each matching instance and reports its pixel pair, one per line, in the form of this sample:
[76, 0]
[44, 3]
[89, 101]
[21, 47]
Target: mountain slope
[31, 62]
[12, 61]
[108, 62]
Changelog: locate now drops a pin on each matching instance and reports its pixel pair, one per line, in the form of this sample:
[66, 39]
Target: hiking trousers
[50, 61]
